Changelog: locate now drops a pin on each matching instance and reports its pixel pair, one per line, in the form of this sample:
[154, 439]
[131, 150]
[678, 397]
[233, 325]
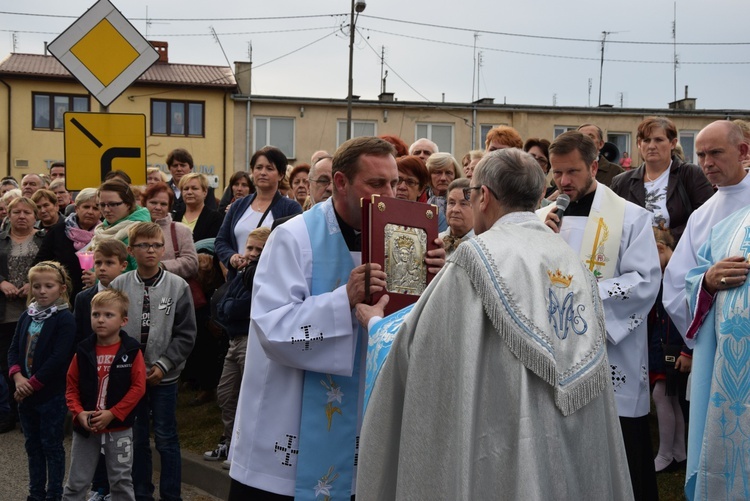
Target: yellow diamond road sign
[104, 52]
[97, 143]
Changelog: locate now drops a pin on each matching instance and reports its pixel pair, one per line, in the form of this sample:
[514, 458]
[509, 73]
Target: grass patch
[199, 427]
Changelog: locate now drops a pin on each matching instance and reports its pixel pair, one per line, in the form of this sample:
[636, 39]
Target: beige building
[301, 126]
[186, 106]
[202, 109]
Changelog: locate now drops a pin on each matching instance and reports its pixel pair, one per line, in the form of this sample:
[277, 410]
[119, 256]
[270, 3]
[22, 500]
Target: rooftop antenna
[674, 49]
[14, 38]
[601, 65]
[475, 70]
[590, 85]
[216, 38]
[149, 22]
[479, 71]
[383, 71]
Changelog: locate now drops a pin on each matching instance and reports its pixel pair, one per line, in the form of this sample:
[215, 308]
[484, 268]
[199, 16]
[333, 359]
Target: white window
[440, 134]
[562, 129]
[621, 140]
[275, 131]
[687, 141]
[359, 128]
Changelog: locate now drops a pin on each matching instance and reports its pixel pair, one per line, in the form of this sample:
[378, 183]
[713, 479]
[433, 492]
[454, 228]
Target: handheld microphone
[561, 203]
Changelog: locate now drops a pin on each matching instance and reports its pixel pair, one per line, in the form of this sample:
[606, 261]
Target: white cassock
[627, 299]
[267, 424]
[727, 200]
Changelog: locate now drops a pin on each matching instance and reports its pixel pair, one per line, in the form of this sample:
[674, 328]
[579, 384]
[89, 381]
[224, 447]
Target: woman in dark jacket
[663, 181]
[208, 221]
[256, 210]
[63, 241]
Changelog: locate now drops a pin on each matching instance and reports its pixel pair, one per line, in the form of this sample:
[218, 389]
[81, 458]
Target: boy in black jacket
[233, 313]
[106, 380]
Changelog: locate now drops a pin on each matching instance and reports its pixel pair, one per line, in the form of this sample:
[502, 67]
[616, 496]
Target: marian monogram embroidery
[564, 314]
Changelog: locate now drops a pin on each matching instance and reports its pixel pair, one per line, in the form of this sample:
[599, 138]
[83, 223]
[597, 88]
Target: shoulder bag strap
[175, 245]
[276, 198]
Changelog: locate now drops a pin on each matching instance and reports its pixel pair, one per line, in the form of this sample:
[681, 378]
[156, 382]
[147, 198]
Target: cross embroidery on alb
[308, 338]
[287, 450]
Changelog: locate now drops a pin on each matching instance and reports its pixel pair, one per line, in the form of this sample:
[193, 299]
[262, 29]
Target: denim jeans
[159, 404]
[43, 426]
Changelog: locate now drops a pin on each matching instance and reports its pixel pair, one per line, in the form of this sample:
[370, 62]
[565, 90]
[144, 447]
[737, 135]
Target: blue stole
[328, 426]
[382, 335]
[720, 391]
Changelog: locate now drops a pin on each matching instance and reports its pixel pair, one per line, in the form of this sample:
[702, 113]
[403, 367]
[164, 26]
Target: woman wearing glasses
[120, 212]
[412, 177]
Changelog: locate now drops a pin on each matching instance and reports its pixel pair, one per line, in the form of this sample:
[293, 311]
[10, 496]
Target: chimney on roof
[163, 49]
[688, 103]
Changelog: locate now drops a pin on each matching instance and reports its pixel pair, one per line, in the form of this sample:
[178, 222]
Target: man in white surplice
[298, 328]
[721, 148]
[508, 395]
[614, 239]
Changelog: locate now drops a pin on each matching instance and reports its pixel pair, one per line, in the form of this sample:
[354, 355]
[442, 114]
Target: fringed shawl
[544, 304]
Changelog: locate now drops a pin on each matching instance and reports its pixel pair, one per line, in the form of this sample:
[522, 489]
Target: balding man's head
[721, 148]
[30, 184]
[423, 148]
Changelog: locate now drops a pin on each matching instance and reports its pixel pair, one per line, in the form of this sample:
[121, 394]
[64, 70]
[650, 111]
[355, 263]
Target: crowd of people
[537, 349]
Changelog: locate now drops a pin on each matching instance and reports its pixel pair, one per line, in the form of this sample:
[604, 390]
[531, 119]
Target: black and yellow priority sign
[97, 143]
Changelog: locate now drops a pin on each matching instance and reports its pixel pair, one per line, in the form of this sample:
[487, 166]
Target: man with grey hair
[614, 239]
[30, 183]
[607, 170]
[527, 341]
[423, 148]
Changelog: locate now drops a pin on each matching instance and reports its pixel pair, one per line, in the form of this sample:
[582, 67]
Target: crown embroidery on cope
[558, 279]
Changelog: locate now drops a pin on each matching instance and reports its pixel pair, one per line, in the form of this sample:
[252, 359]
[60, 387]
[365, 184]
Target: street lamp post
[357, 6]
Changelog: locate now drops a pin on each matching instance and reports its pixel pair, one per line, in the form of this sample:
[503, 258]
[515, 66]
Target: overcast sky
[425, 62]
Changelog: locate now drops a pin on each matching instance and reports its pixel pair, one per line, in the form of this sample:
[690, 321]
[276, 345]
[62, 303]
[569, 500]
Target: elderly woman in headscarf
[62, 241]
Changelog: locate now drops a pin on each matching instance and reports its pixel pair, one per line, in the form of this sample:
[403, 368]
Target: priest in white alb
[719, 297]
[614, 240]
[721, 148]
[508, 395]
[300, 405]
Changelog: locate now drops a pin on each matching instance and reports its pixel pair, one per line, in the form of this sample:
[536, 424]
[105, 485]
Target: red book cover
[396, 234]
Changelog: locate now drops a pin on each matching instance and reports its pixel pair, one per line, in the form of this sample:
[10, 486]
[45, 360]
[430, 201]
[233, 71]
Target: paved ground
[14, 475]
